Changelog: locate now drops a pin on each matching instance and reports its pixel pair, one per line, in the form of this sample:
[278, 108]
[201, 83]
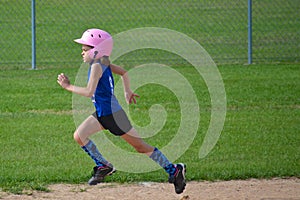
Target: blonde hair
[104, 60]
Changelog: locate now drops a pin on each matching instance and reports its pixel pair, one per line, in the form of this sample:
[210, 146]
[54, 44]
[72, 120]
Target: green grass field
[260, 138]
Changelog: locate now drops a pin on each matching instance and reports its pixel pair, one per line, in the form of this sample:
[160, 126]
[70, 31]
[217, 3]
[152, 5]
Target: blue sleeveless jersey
[104, 99]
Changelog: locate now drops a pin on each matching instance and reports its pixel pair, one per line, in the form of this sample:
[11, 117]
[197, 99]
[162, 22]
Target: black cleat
[100, 173]
[178, 179]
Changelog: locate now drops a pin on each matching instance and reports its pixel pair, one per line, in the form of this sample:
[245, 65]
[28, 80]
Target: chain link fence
[219, 26]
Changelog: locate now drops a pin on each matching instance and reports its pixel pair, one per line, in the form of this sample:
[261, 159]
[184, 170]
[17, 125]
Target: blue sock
[91, 149]
[163, 161]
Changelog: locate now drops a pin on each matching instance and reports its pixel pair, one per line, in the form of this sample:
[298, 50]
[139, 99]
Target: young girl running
[109, 115]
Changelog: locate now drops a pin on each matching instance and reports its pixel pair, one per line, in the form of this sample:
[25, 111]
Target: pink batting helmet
[100, 40]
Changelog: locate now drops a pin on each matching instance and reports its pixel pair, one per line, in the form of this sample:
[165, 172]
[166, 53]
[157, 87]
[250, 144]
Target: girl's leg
[103, 168]
[81, 136]
[176, 172]
[138, 143]
[87, 128]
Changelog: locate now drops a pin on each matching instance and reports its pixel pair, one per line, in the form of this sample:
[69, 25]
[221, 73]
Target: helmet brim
[81, 41]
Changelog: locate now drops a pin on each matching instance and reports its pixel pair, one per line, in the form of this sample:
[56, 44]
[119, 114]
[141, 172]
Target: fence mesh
[219, 26]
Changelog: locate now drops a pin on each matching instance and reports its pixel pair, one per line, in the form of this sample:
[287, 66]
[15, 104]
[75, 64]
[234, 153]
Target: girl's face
[85, 53]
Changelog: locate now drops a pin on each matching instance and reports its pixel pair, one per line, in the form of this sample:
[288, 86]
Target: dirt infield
[275, 189]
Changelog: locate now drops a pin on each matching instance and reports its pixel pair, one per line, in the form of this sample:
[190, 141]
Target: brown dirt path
[274, 189]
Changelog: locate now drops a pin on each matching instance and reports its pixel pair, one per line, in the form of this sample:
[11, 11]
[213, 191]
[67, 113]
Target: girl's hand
[131, 97]
[63, 80]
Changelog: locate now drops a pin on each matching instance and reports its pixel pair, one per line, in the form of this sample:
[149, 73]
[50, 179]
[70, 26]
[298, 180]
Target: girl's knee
[77, 138]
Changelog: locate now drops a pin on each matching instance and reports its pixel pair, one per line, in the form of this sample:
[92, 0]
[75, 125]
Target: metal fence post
[249, 31]
[33, 49]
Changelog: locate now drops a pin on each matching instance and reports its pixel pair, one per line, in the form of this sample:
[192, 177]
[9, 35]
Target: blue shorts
[117, 123]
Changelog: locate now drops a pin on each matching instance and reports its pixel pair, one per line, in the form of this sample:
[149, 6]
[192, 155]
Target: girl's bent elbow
[89, 95]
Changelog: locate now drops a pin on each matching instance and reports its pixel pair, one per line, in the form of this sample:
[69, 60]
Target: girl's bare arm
[88, 91]
[129, 95]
